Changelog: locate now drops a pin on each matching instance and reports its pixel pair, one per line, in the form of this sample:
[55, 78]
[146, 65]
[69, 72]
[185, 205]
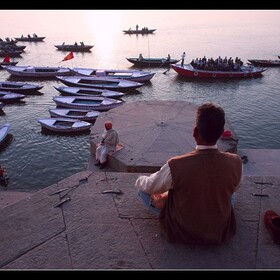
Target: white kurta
[110, 141]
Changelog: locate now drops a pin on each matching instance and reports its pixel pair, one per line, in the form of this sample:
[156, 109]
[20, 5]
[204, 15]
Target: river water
[35, 160]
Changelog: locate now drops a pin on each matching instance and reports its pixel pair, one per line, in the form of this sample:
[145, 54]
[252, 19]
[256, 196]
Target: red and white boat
[246, 71]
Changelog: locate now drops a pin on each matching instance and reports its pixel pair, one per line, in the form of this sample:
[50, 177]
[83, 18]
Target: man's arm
[158, 182]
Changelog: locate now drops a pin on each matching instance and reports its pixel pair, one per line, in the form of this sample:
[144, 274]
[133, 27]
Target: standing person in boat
[109, 142]
[193, 194]
[141, 57]
[137, 27]
[183, 58]
[168, 57]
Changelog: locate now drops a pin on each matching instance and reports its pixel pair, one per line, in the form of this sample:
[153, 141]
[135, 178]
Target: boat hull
[19, 87]
[152, 62]
[189, 71]
[4, 130]
[73, 48]
[265, 63]
[83, 115]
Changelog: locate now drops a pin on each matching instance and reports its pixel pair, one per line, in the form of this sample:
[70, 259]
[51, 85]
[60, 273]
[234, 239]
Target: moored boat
[246, 71]
[131, 75]
[8, 97]
[67, 125]
[265, 62]
[99, 82]
[4, 130]
[10, 53]
[152, 62]
[19, 87]
[84, 91]
[38, 71]
[80, 114]
[84, 102]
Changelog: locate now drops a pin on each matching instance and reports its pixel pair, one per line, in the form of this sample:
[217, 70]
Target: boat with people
[99, 82]
[98, 103]
[137, 30]
[84, 91]
[74, 47]
[29, 38]
[64, 125]
[265, 62]
[80, 114]
[11, 53]
[131, 75]
[8, 96]
[20, 87]
[218, 68]
[153, 61]
[38, 71]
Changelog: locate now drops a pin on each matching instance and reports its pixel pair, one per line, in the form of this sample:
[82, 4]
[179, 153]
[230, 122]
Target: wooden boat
[74, 47]
[246, 72]
[29, 38]
[152, 62]
[37, 71]
[87, 102]
[131, 75]
[10, 53]
[99, 82]
[19, 87]
[4, 130]
[80, 114]
[143, 30]
[67, 125]
[8, 97]
[84, 91]
[7, 62]
[265, 62]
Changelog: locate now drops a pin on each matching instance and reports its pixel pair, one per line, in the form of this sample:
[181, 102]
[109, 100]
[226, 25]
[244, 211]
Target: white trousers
[102, 152]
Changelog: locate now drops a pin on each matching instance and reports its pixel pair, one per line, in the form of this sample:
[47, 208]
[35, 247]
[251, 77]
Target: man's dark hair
[210, 121]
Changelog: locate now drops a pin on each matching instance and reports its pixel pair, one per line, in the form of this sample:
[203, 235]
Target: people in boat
[141, 56]
[109, 142]
[82, 44]
[35, 35]
[137, 26]
[75, 44]
[28, 36]
[63, 43]
[168, 57]
[183, 58]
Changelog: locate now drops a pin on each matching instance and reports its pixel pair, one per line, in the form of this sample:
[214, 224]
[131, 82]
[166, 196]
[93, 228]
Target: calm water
[35, 160]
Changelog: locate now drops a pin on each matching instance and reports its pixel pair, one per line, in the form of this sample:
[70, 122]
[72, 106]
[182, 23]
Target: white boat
[64, 124]
[37, 71]
[87, 102]
[19, 87]
[7, 96]
[99, 82]
[131, 75]
[4, 130]
[84, 91]
[80, 114]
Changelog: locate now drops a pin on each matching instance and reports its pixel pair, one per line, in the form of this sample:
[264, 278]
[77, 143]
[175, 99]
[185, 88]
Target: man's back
[198, 208]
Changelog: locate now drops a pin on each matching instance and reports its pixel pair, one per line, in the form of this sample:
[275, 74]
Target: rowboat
[19, 87]
[29, 38]
[143, 30]
[80, 114]
[10, 53]
[89, 103]
[131, 75]
[4, 130]
[8, 97]
[7, 62]
[152, 62]
[84, 91]
[99, 82]
[246, 71]
[265, 62]
[74, 47]
[67, 125]
[37, 71]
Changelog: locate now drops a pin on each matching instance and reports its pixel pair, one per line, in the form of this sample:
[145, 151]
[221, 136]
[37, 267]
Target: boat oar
[163, 62]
